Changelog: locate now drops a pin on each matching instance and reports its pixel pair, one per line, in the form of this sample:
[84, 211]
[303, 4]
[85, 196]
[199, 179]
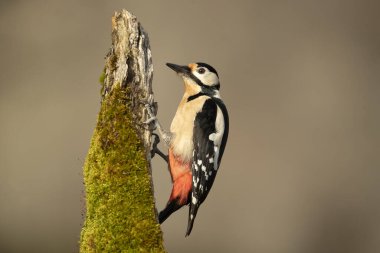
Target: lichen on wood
[120, 209]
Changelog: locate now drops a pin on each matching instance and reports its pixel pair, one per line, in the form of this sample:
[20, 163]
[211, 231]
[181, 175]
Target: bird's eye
[201, 70]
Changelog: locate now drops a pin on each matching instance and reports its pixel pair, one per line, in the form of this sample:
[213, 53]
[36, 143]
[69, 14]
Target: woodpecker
[196, 141]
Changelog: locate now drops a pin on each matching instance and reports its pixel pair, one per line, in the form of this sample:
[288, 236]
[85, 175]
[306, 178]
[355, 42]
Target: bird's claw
[149, 110]
[150, 99]
[155, 149]
[151, 116]
[154, 144]
[148, 121]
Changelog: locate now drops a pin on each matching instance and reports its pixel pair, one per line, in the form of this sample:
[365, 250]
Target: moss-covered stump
[120, 207]
[120, 210]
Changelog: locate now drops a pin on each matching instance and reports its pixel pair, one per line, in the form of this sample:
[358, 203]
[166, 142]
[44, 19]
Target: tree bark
[120, 209]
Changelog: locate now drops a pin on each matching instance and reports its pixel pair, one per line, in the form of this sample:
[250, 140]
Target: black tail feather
[170, 208]
[193, 209]
[189, 227]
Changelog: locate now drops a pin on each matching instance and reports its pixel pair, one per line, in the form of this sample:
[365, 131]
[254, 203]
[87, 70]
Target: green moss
[120, 213]
[101, 81]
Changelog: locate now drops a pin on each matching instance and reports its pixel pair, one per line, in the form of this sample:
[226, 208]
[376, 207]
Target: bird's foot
[151, 117]
[152, 122]
[155, 149]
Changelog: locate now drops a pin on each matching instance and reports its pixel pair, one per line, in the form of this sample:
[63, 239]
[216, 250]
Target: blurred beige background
[301, 79]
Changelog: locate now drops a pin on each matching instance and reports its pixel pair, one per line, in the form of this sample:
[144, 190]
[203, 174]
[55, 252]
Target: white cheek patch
[207, 78]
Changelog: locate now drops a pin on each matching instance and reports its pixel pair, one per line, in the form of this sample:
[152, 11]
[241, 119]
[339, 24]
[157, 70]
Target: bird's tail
[170, 208]
[193, 209]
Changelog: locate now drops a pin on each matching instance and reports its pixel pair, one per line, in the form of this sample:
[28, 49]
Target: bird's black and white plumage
[210, 137]
[197, 139]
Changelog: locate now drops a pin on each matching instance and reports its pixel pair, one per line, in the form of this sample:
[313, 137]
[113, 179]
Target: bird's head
[199, 76]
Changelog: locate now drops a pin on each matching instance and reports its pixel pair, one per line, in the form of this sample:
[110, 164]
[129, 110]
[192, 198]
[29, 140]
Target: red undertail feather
[181, 177]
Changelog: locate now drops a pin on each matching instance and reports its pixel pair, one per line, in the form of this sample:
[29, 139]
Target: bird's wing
[210, 136]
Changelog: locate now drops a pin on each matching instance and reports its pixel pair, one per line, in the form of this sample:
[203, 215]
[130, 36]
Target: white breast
[183, 125]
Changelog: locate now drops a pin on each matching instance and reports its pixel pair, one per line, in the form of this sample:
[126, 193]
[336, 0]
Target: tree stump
[120, 208]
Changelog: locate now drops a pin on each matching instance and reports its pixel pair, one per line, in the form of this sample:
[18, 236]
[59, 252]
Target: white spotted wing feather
[209, 130]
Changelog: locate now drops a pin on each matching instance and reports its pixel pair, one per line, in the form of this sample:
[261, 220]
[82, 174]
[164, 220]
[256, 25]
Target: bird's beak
[181, 70]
